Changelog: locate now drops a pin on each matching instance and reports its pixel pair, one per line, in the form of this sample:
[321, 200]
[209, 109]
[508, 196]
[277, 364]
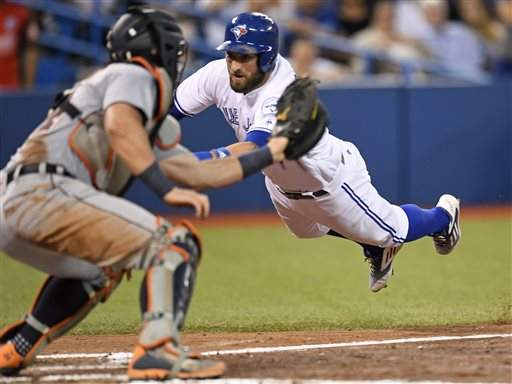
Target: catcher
[61, 210]
[326, 191]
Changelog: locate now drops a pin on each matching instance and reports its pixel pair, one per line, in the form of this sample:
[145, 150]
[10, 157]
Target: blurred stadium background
[424, 88]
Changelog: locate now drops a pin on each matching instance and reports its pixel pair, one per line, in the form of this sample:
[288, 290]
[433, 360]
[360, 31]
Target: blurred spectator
[452, 43]
[312, 16]
[213, 30]
[306, 62]
[382, 36]
[18, 52]
[410, 19]
[491, 32]
[353, 15]
[504, 12]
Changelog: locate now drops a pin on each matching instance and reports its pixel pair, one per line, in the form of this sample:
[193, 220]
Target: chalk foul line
[124, 356]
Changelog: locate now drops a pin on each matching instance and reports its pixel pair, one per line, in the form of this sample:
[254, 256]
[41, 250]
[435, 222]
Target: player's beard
[248, 85]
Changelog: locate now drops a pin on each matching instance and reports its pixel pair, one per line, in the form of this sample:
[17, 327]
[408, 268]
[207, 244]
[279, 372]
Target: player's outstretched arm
[187, 170]
[254, 139]
[301, 122]
[240, 148]
[234, 149]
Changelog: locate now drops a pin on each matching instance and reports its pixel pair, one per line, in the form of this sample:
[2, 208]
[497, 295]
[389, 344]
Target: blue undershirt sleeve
[203, 155]
[217, 153]
[175, 112]
[260, 138]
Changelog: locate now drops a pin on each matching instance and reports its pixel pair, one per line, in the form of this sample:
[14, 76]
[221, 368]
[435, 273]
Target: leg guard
[60, 305]
[182, 239]
[169, 282]
[165, 296]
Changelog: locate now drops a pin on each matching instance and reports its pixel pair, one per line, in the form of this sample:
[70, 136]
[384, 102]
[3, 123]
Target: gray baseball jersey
[67, 226]
[113, 84]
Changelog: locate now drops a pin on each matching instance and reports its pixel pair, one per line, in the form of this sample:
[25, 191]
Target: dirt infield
[457, 360]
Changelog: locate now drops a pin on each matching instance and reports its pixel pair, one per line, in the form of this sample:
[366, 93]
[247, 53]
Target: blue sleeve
[259, 138]
[203, 155]
[217, 153]
[175, 112]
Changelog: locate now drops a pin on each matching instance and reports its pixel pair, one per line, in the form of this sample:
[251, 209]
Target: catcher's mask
[153, 34]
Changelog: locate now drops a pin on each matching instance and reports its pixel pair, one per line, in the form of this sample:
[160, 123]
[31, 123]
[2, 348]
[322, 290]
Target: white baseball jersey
[254, 111]
[351, 206]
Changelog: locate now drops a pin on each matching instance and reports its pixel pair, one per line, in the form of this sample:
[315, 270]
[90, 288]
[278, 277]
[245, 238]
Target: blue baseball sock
[423, 222]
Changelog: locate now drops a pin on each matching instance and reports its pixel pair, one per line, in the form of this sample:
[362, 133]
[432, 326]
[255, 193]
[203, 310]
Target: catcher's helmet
[153, 34]
[251, 33]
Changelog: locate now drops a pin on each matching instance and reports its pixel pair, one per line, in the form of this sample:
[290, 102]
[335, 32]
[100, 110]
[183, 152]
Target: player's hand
[183, 196]
[277, 146]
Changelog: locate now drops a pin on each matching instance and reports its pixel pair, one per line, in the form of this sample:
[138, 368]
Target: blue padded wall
[418, 142]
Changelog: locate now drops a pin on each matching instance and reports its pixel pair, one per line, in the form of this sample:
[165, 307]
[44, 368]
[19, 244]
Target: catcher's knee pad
[168, 285]
[59, 306]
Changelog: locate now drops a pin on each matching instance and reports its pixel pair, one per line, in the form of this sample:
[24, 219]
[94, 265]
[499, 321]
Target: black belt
[35, 168]
[304, 195]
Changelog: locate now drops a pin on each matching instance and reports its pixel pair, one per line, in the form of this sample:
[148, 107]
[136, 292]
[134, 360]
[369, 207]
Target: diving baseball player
[327, 191]
[60, 209]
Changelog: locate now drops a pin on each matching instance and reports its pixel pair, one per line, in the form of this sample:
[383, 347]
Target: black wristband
[154, 178]
[256, 160]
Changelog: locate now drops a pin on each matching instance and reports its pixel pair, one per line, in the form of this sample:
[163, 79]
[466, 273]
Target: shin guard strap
[151, 316]
[36, 324]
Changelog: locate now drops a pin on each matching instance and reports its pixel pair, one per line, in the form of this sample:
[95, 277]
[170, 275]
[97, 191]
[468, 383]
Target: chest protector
[89, 140]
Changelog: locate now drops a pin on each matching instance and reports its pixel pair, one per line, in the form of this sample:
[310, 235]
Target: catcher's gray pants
[68, 229]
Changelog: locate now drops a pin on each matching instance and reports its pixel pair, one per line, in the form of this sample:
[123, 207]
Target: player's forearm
[235, 149]
[240, 148]
[188, 171]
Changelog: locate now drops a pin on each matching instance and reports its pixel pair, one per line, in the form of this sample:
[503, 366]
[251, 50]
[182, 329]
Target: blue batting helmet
[253, 33]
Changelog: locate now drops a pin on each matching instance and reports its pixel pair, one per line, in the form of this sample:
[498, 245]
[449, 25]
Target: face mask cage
[172, 48]
[181, 60]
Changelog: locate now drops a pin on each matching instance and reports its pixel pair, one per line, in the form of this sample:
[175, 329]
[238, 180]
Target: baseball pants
[352, 207]
[68, 229]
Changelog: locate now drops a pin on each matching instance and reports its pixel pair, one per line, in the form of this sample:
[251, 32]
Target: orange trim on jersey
[151, 69]
[80, 155]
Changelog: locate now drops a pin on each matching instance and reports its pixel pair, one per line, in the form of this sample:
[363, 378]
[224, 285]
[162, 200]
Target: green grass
[256, 279]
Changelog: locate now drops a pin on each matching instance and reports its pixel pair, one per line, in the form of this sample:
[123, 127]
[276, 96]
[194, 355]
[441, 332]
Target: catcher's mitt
[300, 117]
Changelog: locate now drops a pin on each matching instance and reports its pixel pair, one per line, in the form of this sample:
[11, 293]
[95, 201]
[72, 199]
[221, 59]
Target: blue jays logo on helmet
[253, 33]
[239, 31]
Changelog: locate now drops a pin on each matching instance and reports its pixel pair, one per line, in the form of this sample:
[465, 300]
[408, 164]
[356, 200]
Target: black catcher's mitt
[300, 117]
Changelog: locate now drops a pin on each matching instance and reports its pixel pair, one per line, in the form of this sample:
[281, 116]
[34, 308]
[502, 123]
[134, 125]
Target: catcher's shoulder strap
[164, 88]
[89, 142]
